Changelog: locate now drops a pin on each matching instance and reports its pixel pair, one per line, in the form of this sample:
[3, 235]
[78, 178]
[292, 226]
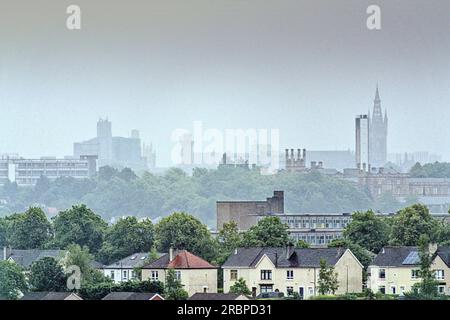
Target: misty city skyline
[156, 66]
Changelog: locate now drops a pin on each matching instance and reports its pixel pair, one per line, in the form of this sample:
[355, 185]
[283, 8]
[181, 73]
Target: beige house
[291, 270]
[195, 274]
[395, 270]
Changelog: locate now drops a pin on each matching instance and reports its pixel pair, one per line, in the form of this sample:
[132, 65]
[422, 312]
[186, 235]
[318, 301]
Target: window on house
[111, 274]
[382, 274]
[415, 274]
[439, 274]
[178, 275]
[125, 274]
[289, 291]
[154, 276]
[133, 274]
[290, 274]
[382, 289]
[393, 290]
[402, 290]
[266, 274]
[310, 291]
[233, 275]
[441, 289]
[266, 288]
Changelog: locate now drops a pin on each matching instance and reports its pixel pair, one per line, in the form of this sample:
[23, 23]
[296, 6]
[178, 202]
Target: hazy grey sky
[305, 67]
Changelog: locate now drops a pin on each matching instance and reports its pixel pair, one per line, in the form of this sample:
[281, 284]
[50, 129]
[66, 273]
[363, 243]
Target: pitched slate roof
[298, 258]
[444, 254]
[132, 296]
[395, 257]
[215, 296]
[25, 258]
[135, 260]
[182, 260]
[47, 295]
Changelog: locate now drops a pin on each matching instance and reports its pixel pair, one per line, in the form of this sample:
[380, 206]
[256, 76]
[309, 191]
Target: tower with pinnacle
[378, 130]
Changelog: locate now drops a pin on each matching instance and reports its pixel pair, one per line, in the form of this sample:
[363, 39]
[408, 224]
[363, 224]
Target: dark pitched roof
[215, 296]
[131, 296]
[135, 260]
[97, 265]
[298, 258]
[444, 254]
[396, 257]
[25, 258]
[47, 295]
[182, 260]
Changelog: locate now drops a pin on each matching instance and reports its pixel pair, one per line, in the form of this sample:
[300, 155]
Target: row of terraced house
[271, 270]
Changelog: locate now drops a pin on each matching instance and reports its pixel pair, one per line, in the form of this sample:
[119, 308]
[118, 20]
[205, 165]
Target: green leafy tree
[29, 230]
[152, 256]
[127, 174]
[82, 258]
[431, 170]
[81, 226]
[302, 244]
[47, 274]
[426, 289]
[412, 222]
[12, 280]
[125, 237]
[106, 173]
[240, 287]
[443, 233]
[368, 231]
[43, 184]
[183, 231]
[173, 287]
[3, 232]
[268, 232]
[228, 239]
[328, 279]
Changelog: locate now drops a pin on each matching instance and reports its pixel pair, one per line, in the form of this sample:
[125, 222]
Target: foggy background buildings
[306, 68]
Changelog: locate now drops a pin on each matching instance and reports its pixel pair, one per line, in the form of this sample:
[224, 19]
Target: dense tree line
[114, 193]
[431, 170]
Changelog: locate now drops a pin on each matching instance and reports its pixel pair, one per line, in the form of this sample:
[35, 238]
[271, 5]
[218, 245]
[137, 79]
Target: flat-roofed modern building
[26, 172]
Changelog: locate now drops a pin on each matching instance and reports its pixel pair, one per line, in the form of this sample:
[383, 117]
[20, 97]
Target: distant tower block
[362, 152]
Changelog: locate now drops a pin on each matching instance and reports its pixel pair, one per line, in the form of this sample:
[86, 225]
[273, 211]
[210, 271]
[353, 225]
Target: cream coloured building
[194, 273]
[290, 270]
[395, 270]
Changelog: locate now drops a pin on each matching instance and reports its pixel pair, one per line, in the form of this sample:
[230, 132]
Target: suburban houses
[290, 270]
[396, 269]
[195, 274]
[126, 268]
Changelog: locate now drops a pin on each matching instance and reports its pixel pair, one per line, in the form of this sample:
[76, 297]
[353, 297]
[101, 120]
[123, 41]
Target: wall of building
[350, 273]
[193, 280]
[348, 269]
[244, 213]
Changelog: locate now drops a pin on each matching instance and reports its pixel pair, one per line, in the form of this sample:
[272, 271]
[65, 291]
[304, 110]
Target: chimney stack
[4, 253]
[289, 250]
[170, 254]
[304, 154]
[432, 248]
